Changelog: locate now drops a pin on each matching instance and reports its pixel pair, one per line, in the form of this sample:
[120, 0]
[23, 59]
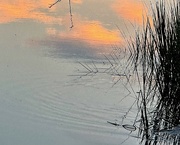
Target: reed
[156, 59]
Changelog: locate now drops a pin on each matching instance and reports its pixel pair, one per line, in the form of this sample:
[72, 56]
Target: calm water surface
[41, 102]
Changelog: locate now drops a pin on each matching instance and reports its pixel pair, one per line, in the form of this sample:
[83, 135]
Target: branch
[70, 12]
[54, 3]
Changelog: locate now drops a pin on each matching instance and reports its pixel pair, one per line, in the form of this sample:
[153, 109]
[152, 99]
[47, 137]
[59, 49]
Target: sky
[39, 94]
[97, 25]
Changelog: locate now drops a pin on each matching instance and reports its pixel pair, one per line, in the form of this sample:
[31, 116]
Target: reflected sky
[36, 86]
[95, 23]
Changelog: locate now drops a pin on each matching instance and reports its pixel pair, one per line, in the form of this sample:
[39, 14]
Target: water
[41, 101]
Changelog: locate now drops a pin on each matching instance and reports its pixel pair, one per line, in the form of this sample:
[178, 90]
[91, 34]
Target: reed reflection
[156, 56]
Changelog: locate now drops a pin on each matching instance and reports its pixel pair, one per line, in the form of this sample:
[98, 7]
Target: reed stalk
[156, 60]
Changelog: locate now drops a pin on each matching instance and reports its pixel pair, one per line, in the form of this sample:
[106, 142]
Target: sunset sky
[95, 23]
[66, 79]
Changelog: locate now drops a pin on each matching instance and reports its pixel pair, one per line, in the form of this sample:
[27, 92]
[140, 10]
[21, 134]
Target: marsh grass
[155, 55]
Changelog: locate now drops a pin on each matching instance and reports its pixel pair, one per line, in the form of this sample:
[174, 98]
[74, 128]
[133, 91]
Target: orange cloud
[77, 1]
[13, 10]
[131, 10]
[90, 32]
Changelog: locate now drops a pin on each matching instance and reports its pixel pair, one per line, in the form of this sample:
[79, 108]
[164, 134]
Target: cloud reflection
[131, 10]
[68, 48]
[77, 1]
[89, 33]
[15, 10]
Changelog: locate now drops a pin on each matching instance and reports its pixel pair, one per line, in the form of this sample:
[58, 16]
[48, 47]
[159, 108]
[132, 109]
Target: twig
[54, 3]
[70, 12]
[113, 123]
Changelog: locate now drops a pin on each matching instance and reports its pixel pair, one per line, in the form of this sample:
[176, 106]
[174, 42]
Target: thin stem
[54, 3]
[71, 16]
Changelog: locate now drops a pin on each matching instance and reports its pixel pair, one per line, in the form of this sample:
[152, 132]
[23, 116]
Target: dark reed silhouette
[155, 55]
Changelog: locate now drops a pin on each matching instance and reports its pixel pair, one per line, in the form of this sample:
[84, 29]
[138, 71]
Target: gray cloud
[69, 48]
